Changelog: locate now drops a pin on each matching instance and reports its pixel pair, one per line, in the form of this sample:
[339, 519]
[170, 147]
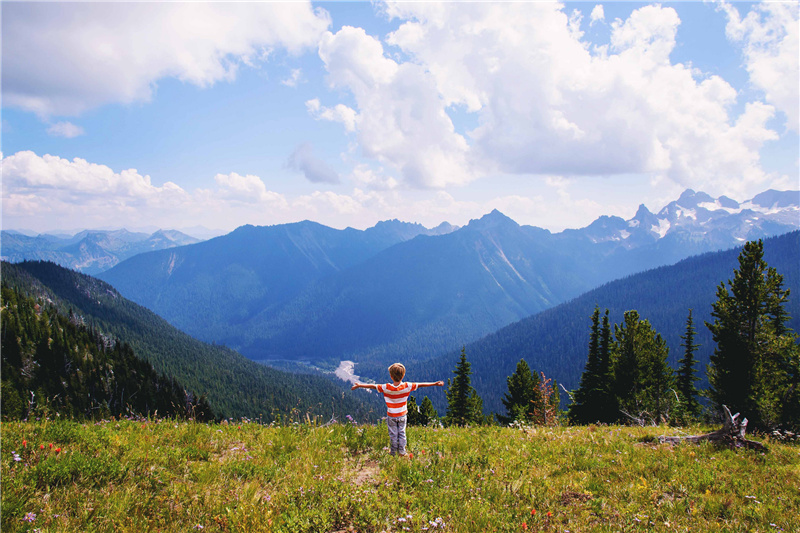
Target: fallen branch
[731, 434]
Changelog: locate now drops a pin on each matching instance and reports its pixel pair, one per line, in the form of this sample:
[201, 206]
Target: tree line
[755, 368]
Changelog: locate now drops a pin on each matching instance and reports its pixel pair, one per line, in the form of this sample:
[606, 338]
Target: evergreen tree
[689, 406]
[583, 409]
[414, 415]
[594, 400]
[751, 370]
[523, 396]
[464, 406]
[642, 377]
[427, 412]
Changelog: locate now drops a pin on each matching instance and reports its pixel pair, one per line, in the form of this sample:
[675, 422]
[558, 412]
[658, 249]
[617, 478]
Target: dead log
[731, 434]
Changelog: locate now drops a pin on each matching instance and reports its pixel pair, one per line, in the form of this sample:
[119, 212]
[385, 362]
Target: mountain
[90, 251]
[210, 287]
[420, 297]
[305, 291]
[233, 385]
[556, 340]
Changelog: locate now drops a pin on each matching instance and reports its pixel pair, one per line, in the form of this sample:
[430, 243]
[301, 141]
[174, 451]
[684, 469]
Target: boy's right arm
[364, 386]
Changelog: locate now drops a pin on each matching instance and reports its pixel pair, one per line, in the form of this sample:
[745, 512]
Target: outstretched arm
[431, 384]
[372, 386]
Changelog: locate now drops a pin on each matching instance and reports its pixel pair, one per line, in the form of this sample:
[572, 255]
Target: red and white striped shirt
[396, 397]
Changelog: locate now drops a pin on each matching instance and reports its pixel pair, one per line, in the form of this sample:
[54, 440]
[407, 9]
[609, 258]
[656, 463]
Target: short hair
[397, 371]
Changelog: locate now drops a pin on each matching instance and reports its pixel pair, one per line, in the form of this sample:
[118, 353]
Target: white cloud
[401, 119]
[65, 58]
[294, 78]
[598, 15]
[249, 189]
[314, 169]
[544, 101]
[65, 129]
[25, 172]
[769, 39]
[339, 113]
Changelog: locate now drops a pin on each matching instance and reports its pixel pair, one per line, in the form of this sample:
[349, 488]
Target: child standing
[396, 396]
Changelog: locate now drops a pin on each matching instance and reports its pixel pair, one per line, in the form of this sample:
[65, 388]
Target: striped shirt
[396, 397]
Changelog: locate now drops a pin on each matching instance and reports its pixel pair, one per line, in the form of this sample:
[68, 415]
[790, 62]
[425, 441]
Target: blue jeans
[397, 434]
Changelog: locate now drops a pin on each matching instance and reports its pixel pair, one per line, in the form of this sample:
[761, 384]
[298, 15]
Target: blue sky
[174, 115]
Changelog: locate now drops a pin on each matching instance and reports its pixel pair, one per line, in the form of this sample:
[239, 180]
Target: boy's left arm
[430, 384]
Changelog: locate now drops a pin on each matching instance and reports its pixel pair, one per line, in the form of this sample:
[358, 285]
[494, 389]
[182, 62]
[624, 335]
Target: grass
[184, 476]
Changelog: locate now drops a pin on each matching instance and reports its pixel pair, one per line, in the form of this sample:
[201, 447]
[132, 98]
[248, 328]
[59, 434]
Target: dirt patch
[366, 472]
[571, 496]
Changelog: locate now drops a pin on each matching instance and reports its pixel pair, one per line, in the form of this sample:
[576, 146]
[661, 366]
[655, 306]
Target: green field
[184, 476]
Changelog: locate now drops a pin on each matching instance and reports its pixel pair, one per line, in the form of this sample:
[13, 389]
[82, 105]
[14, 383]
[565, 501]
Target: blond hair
[397, 371]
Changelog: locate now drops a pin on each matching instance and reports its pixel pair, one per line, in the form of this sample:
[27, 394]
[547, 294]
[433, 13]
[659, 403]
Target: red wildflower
[549, 513]
[533, 512]
[58, 450]
[41, 446]
[410, 455]
[24, 443]
[51, 445]
[524, 525]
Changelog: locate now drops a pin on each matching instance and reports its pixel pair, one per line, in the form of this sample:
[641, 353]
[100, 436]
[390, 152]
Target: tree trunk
[731, 434]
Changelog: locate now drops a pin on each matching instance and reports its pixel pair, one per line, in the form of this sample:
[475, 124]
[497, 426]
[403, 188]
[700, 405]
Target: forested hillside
[555, 341]
[55, 363]
[234, 385]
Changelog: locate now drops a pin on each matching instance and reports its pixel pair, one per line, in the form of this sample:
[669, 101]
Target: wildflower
[198, 526]
[524, 525]
[16, 456]
[24, 443]
[533, 512]
[30, 517]
[549, 514]
[58, 450]
[51, 445]
[41, 446]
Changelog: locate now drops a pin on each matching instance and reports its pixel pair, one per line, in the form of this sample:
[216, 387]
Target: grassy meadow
[166, 475]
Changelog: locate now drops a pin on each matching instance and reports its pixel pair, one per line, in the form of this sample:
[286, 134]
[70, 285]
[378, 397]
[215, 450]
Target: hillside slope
[234, 385]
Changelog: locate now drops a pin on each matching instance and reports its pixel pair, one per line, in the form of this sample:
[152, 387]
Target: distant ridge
[556, 341]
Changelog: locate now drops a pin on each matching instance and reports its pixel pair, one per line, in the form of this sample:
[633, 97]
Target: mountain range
[90, 251]
[399, 291]
[556, 341]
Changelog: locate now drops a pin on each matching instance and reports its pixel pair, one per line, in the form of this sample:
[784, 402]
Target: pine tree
[523, 396]
[689, 407]
[464, 406]
[594, 400]
[751, 370]
[642, 377]
[427, 412]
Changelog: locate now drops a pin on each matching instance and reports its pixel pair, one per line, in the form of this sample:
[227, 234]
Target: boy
[396, 395]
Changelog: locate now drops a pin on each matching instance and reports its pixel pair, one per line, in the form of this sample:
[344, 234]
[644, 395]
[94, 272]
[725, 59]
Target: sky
[179, 115]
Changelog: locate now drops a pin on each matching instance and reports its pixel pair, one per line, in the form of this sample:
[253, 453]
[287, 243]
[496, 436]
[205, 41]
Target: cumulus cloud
[544, 100]
[339, 113]
[598, 15]
[62, 59]
[401, 117]
[314, 169]
[248, 189]
[769, 39]
[65, 129]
